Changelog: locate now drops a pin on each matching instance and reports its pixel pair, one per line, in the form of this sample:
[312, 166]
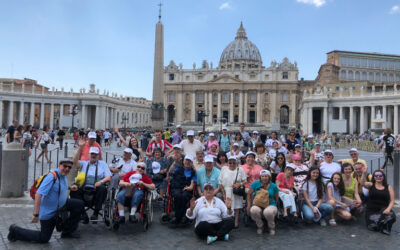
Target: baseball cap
[264, 171]
[135, 178]
[297, 146]
[128, 150]
[328, 151]
[177, 146]
[65, 160]
[290, 166]
[208, 158]
[189, 157]
[156, 167]
[232, 157]
[236, 144]
[208, 185]
[310, 136]
[224, 128]
[179, 126]
[211, 134]
[92, 135]
[353, 150]
[255, 132]
[94, 150]
[250, 153]
[190, 133]
[317, 143]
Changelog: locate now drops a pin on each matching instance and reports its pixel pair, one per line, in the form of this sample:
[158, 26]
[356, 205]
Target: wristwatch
[35, 215]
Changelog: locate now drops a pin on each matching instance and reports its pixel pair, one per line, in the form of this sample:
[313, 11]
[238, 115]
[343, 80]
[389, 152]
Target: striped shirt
[163, 145]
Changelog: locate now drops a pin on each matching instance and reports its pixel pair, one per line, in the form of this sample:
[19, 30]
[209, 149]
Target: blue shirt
[102, 171]
[49, 191]
[225, 143]
[272, 190]
[202, 177]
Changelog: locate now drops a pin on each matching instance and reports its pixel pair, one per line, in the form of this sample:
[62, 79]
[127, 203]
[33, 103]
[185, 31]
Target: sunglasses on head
[378, 175]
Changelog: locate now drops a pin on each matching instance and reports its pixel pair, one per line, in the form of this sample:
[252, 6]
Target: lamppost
[221, 121]
[124, 119]
[203, 114]
[74, 112]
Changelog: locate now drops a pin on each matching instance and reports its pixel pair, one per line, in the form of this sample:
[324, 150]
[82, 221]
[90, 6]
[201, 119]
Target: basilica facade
[239, 89]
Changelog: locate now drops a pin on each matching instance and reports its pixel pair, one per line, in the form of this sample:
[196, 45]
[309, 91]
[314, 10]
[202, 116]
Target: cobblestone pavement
[346, 235]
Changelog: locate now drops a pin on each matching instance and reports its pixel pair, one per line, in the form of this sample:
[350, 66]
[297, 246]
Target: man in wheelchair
[91, 188]
[133, 186]
[122, 166]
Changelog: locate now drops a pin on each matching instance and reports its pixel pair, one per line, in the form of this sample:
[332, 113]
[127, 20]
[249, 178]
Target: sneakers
[295, 219]
[322, 222]
[133, 219]
[272, 232]
[11, 233]
[211, 239]
[226, 237]
[332, 222]
[121, 219]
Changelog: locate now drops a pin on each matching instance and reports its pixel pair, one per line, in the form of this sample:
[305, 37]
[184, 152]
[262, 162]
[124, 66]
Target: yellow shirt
[352, 162]
[167, 135]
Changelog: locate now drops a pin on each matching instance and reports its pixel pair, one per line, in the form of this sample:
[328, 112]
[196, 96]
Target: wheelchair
[145, 210]
[87, 194]
[298, 209]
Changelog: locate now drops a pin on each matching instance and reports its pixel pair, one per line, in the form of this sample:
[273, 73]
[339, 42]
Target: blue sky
[72, 43]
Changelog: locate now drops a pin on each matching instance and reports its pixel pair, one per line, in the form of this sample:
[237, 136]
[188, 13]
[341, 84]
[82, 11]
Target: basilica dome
[241, 50]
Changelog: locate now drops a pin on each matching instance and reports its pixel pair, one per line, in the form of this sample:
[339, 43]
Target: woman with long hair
[27, 138]
[335, 194]
[19, 131]
[222, 160]
[44, 140]
[132, 144]
[262, 157]
[314, 209]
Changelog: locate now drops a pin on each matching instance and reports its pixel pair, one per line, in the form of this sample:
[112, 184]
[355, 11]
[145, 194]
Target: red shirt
[285, 183]
[252, 174]
[85, 151]
[163, 145]
[145, 178]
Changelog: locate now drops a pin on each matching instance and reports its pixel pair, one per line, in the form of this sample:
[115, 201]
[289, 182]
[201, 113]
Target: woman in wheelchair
[285, 183]
[264, 203]
[132, 186]
[182, 185]
[157, 170]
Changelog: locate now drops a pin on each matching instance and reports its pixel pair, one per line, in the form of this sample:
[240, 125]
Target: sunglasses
[297, 160]
[67, 166]
[329, 154]
[378, 175]
[143, 168]
[208, 188]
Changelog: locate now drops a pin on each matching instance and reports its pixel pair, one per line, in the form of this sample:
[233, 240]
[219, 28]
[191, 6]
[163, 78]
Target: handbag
[262, 198]
[240, 190]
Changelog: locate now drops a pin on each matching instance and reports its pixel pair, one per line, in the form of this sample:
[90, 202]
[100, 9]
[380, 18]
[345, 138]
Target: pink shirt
[209, 144]
[285, 183]
[253, 173]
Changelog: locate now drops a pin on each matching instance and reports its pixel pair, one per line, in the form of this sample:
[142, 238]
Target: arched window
[350, 75]
[343, 74]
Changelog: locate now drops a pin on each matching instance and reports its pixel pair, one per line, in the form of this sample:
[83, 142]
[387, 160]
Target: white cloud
[395, 9]
[225, 5]
[316, 3]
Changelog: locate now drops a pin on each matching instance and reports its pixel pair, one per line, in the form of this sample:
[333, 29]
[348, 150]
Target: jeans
[324, 209]
[219, 229]
[181, 200]
[269, 213]
[74, 207]
[136, 199]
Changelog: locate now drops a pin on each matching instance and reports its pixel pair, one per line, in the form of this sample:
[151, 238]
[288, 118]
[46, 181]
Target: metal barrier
[1, 158]
[109, 157]
[396, 174]
[42, 165]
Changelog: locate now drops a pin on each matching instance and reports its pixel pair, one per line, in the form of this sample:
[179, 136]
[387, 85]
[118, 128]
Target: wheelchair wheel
[145, 222]
[246, 219]
[112, 216]
[165, 218]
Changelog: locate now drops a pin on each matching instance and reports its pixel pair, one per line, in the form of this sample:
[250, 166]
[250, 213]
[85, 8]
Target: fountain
[379, 124]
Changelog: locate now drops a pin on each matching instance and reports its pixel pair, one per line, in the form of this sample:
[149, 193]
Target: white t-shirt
[272, 153]
[106, 135]
[312, 191]
[238, 154]
[212, 213]
[126, 166]
[27, 136]
[327, 170]
[45, 138]
[269, 142]
[191, 148]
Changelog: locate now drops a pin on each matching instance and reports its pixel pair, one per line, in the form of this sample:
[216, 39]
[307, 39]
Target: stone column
[246, 104]
[340, 113]
[384, 116]
[21, 113]
[210, 99]
[241, 106]
[362, 125]
[180, 108]
[41, 124]
[83, 117]
[61, 115]
[325, 120]
[273, 108]
[396, 120]
[259, 107]
[219, 107]
[10, 113]
[351, 120]
[231, 108]
[51, 116]
[1, 113]
[32, 114]
[97, 117]
[372, 116]
[293, 110]
[193, 107]
[206, 106]
[310, 119]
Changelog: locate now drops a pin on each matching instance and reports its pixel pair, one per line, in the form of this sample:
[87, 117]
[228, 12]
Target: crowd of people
[212, 178]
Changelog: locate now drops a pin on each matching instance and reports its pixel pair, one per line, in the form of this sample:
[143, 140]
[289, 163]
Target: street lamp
[124, 119]
[221, 121]
[203, 114]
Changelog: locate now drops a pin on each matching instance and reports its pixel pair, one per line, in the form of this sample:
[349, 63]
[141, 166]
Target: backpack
[38, 182]
[262, 198]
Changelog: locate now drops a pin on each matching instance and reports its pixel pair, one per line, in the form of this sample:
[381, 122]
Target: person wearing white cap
[97, 174]
[211, 213]
[177, 136]
[190, 145]
[211, 141]
[182, 186]
[232, 176]
[263, 206]
[236, 152]
[254, 139]
[285, 183]
[136, 181]
[122, 166]
[224, 140]
[310, 143]
[91, 142]
[133, 144]
[328, 167]
[208, 174]
[251, 169]
[158, 175]
[354, 157]
[270, 141]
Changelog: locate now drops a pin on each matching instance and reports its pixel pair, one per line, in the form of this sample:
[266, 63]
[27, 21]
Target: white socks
[133, 210]
[121, 212]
